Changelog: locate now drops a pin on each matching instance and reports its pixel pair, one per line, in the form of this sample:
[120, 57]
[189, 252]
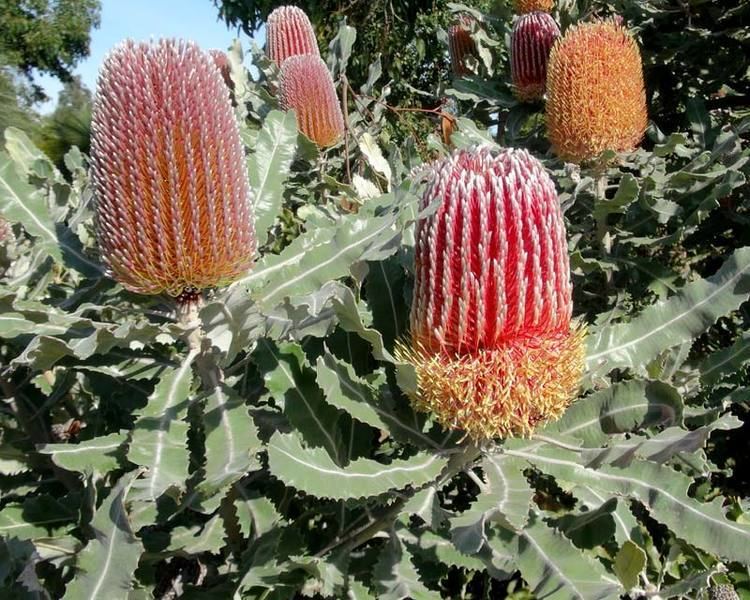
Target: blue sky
[142, 19]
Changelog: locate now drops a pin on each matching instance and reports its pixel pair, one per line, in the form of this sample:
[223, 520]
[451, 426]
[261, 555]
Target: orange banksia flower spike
[173, 202]
[306, 85]
[596, 99]
[492, 341]
[526, 6]
[530, 43]
[461, 45]
[289, 33]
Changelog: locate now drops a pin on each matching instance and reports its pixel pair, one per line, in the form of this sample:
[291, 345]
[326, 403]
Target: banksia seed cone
[526, 6]
[595, 95]
[491, 335]
[531, 40]
[461, 45]
[173, 203]
[289, 33]
[306, 85]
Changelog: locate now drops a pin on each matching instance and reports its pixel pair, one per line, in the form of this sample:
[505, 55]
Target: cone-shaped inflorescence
[461, 46]
[596, 100]
[531, 41]
[173, 203]
[306, 85]
[526, 6]
[492, 341]
[289, 34]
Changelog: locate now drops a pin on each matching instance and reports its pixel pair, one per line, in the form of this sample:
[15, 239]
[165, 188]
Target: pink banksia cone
[173, 202]
[530, 43]
[526, 6]
[492, 341]
[289, 33]
[461, 45]
[596, 100]
[306, 86]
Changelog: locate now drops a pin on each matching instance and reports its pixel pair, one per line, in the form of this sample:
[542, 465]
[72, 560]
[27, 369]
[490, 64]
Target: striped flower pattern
[306, 86]
[492, 340]
[289, 33]
[173, 202]
[531, 41]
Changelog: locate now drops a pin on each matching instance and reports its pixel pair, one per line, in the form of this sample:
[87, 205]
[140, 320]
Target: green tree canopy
[49, 36]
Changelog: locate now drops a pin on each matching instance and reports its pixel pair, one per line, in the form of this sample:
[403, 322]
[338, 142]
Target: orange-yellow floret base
[500, 392]
[526, 6]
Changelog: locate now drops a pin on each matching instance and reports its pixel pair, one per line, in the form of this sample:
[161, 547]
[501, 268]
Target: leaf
[629, 563]
[23, 203]
[553, 567]
[232, 322]
[350, 320]
[505, 497]
[269, 167]
[663, 491]
[679, 319]
[347, 392]
[16, 520]
[312, 471]
[99, 455]
[627, 193]
[340, 48]
[291, 381]
[108, 562]
[256, 514]
[321, 255]
[725, 361]
[624, 407]
[369, 147]
[208, 537]
[394, 574]
[159, 439]
[231, 440]
[590, 528]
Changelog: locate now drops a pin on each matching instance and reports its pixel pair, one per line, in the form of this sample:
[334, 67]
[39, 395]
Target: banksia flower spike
[173, 203]
[526, 6]
[306, 85]
[289, 33]
[596, 100]
[530, 43]
[492, 341]
[461, 45]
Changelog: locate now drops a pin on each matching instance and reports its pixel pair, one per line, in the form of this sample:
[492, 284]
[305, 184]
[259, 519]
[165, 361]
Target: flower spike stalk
[492, 341]
[306, 86]
[531, 41]
[290, 33]
[173, 202]
[596, 99]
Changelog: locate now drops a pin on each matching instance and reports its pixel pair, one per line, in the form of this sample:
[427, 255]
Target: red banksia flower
[530, 43]
[526, 6]
[491, 335]
[461, 45]
[596, 100]
[173, 203]
[306, 85]
[289, 33]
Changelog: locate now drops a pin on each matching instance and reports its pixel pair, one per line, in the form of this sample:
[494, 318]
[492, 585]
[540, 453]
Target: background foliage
[284, 460]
